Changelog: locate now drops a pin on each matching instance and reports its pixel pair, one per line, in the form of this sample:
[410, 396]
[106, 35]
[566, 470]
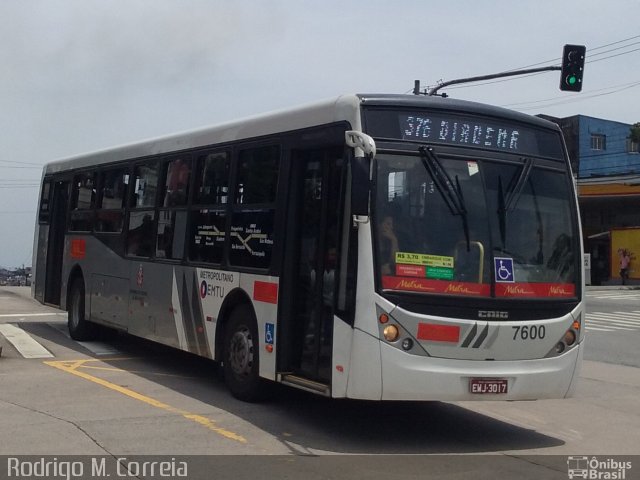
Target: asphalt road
[126, 397]
[613, 325]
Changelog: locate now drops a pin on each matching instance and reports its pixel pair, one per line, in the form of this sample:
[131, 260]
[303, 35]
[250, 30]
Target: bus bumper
[411, 377]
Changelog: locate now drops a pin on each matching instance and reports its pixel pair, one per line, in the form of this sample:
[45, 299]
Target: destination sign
[464, 130]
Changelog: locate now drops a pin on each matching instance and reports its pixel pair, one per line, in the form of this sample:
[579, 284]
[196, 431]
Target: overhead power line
[2, 187]
[21, 163]
[580, 98]
[613, 56]
[550, 99]
[591, 55]
[21, 166]
[557, 60]
[614, 43]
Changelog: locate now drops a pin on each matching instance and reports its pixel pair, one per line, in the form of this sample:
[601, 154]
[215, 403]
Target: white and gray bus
[382, 247]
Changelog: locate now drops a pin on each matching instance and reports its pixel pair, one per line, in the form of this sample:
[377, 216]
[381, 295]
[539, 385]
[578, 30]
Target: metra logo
[459, 289]
[518, 290]
[493, 314]
[413, 285]
[556, 290]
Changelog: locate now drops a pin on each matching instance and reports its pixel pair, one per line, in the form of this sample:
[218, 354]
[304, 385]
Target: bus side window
[212, 179]
[175, 189]
[83, 200]
[252, 222]
[45, 203]
[207, 235]
[140, 238]
[111, 200]
[209, 222]
[172, 218]
[145, 184]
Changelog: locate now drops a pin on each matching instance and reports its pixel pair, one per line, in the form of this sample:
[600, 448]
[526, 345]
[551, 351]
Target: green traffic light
[572, 68]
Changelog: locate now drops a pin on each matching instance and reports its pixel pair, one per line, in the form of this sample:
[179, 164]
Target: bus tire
[241, 362]
[79, 327]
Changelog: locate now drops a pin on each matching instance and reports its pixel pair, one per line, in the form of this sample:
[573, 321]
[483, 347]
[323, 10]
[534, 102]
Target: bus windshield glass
[474, 227]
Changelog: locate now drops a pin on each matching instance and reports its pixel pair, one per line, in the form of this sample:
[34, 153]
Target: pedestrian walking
[625, 259]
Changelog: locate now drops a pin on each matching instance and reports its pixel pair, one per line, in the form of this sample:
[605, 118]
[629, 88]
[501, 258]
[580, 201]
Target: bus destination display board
[464, 130]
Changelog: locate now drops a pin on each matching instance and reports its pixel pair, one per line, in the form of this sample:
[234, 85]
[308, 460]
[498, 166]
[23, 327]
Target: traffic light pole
[512, 73]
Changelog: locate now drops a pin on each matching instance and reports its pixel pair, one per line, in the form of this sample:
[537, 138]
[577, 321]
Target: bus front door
[312, 267]
[55, 244]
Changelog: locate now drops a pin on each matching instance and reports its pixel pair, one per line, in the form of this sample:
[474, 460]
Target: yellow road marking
[139, 372]
[72, 366]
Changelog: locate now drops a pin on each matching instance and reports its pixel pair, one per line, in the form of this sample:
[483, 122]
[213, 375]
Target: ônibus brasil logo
[596, 469]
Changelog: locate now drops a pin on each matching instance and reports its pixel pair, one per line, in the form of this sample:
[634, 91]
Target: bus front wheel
[241, 362]
[79, 327]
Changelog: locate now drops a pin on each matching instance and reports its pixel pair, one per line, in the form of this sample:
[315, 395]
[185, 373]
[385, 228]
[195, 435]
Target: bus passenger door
[55, 243]
[312, 250]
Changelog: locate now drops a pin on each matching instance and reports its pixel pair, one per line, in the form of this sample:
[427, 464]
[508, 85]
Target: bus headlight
[569, 338]
[391, 333]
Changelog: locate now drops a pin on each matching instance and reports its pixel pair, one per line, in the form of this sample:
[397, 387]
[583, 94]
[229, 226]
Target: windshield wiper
[508, 202]
[514, 194]
[451, 194]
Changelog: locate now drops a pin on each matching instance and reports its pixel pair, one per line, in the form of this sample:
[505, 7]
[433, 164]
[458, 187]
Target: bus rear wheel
[79, 327]
[241, 362]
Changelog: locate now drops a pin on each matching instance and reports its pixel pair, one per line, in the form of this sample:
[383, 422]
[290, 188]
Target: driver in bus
[388, 245]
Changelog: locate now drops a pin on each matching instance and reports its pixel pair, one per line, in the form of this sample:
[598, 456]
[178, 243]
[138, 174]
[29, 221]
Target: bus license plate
[488, 385]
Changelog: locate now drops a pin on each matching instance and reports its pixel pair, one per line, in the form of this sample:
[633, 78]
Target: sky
[83, 75]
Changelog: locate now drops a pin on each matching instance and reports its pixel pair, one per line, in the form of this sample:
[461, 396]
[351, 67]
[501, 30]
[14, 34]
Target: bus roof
[342, 108]
[452, 105]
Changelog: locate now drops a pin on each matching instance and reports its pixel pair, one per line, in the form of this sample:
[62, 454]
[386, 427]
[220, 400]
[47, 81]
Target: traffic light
[572, 67]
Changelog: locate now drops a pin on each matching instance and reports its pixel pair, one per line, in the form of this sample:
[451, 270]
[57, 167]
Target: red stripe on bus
[265, 292]
[438, 333]
[78, 248]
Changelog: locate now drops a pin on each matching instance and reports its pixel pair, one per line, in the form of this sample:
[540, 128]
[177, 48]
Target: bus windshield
[474, 227]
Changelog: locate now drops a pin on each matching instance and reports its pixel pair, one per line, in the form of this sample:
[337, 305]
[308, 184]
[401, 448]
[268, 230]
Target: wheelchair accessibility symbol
[504, 269]
[268, 333]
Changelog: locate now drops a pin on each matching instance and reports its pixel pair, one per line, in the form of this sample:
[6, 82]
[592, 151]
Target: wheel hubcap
[241, 352]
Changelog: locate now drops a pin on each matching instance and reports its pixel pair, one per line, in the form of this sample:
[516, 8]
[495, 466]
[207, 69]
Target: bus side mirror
[364, 151]
[360, 186]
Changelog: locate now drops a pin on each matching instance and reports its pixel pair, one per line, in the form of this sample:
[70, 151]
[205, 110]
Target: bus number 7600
[526, 332]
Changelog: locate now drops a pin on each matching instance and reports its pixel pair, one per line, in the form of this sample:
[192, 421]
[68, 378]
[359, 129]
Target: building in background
[606, 163]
